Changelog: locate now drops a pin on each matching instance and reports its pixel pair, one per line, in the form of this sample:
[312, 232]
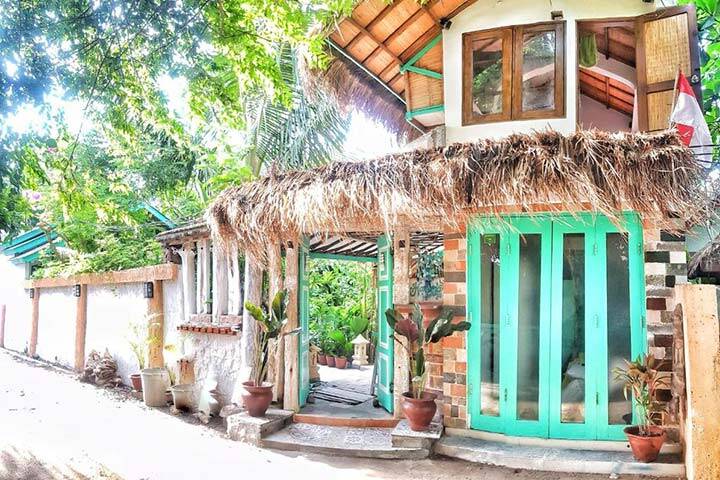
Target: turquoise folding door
[304, 317]
[555, 302]
[385, 343]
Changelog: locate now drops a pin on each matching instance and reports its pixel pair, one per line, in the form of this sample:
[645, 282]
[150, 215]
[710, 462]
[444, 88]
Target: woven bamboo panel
[667, 46]
[424, 91]
[431, 119]
[433, 59]
[659, 107]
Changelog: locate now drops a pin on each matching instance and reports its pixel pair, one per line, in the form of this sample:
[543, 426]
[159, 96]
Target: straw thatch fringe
[354, 89]
[652, 174]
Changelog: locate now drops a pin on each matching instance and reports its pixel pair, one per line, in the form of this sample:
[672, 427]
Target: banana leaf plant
[642, 379]
[412, 327]
[270, 325]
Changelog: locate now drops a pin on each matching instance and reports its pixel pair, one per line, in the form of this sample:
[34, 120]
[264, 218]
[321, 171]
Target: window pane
[490, 325]
[573, 329]
[618, 325]
[528, 376]
[487, 71]
[538, 70]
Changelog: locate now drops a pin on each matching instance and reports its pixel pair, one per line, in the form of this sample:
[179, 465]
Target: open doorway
[607, 78]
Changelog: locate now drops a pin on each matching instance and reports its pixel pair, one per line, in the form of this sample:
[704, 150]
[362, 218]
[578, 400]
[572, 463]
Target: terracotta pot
[645, 448]
[340, 362]
[419, 411]
[330, 361]
[257, 398]
[136, 380]
[322, 360]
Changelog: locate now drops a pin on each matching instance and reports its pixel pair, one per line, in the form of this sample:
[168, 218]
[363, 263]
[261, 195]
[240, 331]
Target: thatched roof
[706, 262]
[653, 174]
[353, 88]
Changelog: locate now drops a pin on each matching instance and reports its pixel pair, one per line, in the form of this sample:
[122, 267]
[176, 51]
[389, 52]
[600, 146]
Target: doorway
[342, 299]
[555, 302]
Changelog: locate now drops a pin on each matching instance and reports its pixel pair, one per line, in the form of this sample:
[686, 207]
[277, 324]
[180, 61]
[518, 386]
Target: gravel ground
[53, 427]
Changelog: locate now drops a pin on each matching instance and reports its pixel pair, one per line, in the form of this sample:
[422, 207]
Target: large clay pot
[330, 360]
[419, 411]
[645, 448]
[136, 381]
[257, 398]
[340, 362]
[322, 360]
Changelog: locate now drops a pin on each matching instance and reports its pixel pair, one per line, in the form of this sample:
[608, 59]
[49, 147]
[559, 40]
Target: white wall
[594, 114]
[111, 312]
[18, 304]
[56, 325]
[487, 14]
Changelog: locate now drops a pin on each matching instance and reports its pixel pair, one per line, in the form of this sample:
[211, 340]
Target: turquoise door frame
[385, 351]
[551, 229]
[303, 309]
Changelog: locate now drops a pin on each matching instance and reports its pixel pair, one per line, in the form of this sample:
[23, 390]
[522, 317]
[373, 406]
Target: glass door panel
[490, 325]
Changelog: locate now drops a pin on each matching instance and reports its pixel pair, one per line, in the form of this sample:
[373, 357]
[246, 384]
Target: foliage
[143, 336]
[412, 327]
[341, 304]
[642, 379]
[428, 284]
[270, 325]
[708, 16]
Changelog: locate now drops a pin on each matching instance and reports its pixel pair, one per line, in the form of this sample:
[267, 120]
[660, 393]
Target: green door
[304, 313]
[384, 352]
[555, 304]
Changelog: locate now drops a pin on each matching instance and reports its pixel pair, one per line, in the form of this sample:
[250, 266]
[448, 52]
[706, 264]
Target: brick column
[454, 365]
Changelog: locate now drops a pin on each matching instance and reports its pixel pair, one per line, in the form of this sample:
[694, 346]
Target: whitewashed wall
[17, 303]
[56, 325]
[490, 14]
[111, 312]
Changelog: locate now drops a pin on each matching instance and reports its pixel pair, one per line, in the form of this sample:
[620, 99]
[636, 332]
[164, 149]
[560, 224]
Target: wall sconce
[77, 290]
[556, 15]
[148, 290]
[31, 292]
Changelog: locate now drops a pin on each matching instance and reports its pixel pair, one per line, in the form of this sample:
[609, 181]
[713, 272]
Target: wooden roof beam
[374, 39]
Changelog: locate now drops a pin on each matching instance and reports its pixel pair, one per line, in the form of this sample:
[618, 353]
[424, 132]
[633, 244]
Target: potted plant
[138, 345]
[341, 345]
[258, 393]
[418, 405]
[642, 378]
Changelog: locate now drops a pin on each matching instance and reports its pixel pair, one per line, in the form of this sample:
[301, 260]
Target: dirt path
[53, 427]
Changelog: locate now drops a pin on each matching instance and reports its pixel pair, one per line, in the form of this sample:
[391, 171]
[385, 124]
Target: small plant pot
[340, 362]
[419, 411]
[330, 361]
[322, 359]
[168, 397]
[645, 448]
[136, 381]
[257, 398]
[183, 397]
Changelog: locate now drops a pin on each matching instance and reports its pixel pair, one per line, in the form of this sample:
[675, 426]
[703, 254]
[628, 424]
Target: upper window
[514, 73]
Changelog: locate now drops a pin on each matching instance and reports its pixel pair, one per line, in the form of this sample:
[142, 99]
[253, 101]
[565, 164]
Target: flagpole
[675, 95]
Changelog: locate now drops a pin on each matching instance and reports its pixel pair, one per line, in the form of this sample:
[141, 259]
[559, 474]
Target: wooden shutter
[666, 40]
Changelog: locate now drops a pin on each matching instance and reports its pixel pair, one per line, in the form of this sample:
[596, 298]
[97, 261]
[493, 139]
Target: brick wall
[454, 353]
[665, 267]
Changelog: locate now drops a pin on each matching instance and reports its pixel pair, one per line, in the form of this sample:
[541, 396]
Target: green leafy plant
[143, 336]
[641, 379]
[270, 325]
[341, 345]
[418, 338]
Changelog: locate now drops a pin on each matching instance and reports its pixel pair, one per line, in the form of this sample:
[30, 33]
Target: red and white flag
[688, 119]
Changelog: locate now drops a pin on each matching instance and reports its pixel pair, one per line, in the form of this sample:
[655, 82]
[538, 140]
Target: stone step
[403, 436]
[554, 459]
[346, 441]
[244, 428]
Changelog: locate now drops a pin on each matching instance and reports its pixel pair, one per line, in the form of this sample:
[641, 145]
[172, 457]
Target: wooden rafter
[372, 37]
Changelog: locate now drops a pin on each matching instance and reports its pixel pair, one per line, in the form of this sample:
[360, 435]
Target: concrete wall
[17, 305]
[491, 14]
[56, 326]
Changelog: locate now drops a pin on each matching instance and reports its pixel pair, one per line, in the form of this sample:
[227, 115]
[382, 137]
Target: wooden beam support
[291, 398]
[156, 326]
[253, 294]
[374, 39]
[235, 288]
[276, 370]
[401, 269]
[80, 328]
[204, 304]
[219, 293]
[166, 271]
[34, 320]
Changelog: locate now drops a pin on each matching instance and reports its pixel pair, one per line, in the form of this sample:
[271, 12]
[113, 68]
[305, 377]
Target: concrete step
[244, 428]
[554, 459]
[346, 441]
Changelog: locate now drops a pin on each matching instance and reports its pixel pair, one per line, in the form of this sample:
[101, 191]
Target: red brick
[451, 244]
[457, 390]
[460, 266]
[653, 303]
[454, 341]
[460, 367]
[450, 287]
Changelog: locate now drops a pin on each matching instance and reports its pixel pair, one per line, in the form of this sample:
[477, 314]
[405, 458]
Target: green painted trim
[159, 215]
[423, 111]
[21, 248]
[425, 71]
[31, 257]
[343, 258]
[23, 237]
[385, 349]
[421, 53]
[304, 317]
